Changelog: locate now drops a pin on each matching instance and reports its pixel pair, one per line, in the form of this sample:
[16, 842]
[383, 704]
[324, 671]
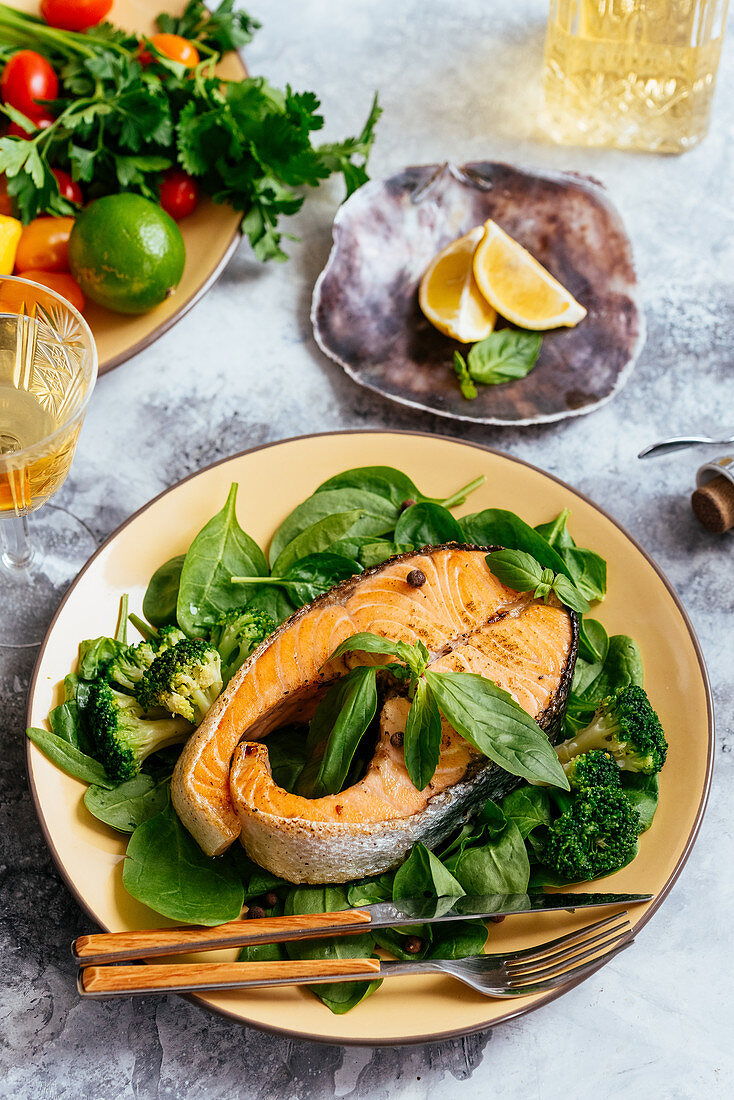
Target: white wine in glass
[48, 367]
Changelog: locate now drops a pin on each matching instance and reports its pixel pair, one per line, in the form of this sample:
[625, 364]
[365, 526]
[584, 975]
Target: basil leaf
[376, 516]
[339, 997]
[569, 594]
[130, 804]
[497, 527]
[166, 870]
[366, 642]
[423, 874]
[220, 550]
[161, 595]
[516, 569]
[503, 355]
[69, 758]
[95, 654]
[422, 738]
[394, 485]
[341, 720]
[428, 525]
[528, 808]
[315, 539]
[593, 641]
[496, 725]
[466, 385]
[501, 866]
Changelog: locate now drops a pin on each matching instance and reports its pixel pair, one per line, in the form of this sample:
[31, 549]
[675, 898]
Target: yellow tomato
[10, 233]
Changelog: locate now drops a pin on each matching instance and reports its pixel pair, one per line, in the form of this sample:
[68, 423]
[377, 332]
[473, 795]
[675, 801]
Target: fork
[509, 974]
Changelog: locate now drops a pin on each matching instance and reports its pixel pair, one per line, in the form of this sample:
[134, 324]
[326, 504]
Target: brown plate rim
[444, 1035]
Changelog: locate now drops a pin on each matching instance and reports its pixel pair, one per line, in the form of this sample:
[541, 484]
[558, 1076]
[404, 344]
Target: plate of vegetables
[100, 769]
[137, 151]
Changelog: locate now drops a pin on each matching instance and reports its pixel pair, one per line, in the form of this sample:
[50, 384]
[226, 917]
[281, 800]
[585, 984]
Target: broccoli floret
[596, 835]
[122, 737]
[627, 727]
[126, 670]
[235, 636]
[592, 769]
[185, 680]
[169, 636]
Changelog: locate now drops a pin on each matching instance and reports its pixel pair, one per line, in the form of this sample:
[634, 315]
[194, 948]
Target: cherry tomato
[60, 281]
[179, 194]
[41, 122]
[74, 15]
[6, 206]
[44, 245]
[174, 47]
[69, 189]
[28, 78]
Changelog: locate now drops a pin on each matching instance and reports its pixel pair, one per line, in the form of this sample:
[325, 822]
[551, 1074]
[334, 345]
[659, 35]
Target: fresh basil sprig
[466, 383]
[478, 709]
[522, 572]
[504, 355]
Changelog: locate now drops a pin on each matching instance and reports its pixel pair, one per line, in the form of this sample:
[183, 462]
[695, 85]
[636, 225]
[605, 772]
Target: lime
[126, 253]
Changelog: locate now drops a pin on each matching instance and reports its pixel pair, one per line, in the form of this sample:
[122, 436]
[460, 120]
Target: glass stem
[15, 540]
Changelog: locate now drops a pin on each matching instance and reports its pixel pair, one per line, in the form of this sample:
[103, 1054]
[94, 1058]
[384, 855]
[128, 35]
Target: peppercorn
[496, 920]
[255, 912]
[406, 504]
[416, 578]
[270, 900]
[397, 740]
[413, 945]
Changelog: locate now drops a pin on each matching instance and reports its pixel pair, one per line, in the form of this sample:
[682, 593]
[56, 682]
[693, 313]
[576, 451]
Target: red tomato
[74, 15]
[179, 194]
[28, 78]
[174, 47]
[41, 122]
[68, 188]
[6, 206]
[44, 245]
[62, 283]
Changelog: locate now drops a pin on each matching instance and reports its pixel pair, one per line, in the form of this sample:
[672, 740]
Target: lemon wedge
[519, 287]
[449, 295]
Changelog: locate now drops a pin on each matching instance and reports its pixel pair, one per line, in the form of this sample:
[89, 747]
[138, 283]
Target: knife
[109, 947]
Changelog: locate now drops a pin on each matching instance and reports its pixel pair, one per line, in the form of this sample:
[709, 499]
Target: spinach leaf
[309, 577]
[622, 667]
[375, 551]
[273, 601]
[166, 870]
[262, 952]
[95, 654]
[377, 516]
[556, 532]
[394, 485]
[457, 939]
[593, 641]
[500, 866]
[424, 875]
[422, 738]
[65, 720]
[315, 539]
[67, 757]
[340, 997]
[497, 527]
[642, 791]
[288, 752]
[493, 722]
[368, 891]
[528, 807]
[466, 384]
[130, 804]
[220, 550]
[588, 571]
[503, 355]
[341, 720]
[428, 525]
[161, 595]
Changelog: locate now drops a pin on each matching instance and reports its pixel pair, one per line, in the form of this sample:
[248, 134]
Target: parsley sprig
[119, 125]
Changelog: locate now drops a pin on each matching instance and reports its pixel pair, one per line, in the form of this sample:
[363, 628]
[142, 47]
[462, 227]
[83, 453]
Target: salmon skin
[467, 619]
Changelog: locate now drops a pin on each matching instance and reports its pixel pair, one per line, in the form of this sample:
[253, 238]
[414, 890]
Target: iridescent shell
[365, 310]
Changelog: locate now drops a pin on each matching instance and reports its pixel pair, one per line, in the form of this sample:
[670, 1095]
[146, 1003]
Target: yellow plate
[211, 233]
[273, 480]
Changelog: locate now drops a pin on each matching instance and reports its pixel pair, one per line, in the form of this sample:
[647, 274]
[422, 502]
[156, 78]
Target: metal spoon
[665, 446]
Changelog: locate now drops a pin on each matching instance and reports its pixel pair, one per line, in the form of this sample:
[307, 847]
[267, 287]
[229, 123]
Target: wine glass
[48, 367]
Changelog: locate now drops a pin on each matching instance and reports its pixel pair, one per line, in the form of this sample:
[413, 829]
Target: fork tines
[578, 953]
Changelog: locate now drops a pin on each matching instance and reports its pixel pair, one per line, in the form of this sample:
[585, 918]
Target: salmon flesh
[469, 621]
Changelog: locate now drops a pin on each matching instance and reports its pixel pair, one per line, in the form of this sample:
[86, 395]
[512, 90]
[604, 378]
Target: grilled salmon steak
[468, 620]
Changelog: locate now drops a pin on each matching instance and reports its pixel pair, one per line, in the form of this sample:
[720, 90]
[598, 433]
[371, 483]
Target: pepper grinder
[713, 500]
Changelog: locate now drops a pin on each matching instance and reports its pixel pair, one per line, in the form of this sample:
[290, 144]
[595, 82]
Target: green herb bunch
[120, 124]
